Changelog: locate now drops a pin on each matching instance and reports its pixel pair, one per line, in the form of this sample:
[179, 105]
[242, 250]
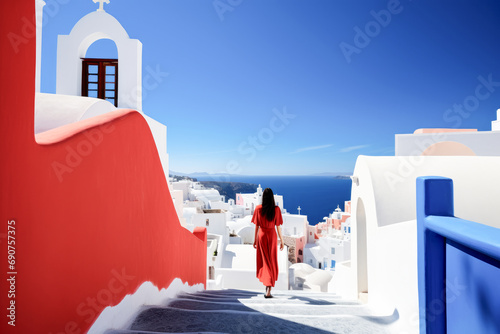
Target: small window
[349, 229]
[207, 222]
[300, 251]
[333, 250]
[100, 79]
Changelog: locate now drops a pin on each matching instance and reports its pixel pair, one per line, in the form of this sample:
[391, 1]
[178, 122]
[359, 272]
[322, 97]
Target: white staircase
[240, 311]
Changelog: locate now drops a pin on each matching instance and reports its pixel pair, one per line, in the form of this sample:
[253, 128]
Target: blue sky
[289, 87]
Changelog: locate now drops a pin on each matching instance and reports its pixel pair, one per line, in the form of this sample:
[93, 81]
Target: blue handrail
[482, 238]
[437, 227]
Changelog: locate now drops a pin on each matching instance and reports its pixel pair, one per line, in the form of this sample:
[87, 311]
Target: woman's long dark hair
[268, 205]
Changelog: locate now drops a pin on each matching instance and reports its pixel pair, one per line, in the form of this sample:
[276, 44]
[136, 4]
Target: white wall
[311, 230]
[239, 268]
[159, 132]
[383, 206]
[387, 186]
[484, 143]
[216, 244]
[340, 255]
[182, 185]
[220, 205]
[217, 222]
[294, 225]
[347, 251]
[345, 228]
[250, 201]
[237, 211]
[396, 283]
[314, 255]
[278, 200]
[179, 205]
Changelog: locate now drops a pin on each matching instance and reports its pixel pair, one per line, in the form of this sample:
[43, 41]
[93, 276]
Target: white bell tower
[73, 47]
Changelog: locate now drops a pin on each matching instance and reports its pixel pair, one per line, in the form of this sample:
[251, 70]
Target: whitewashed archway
[71, 48]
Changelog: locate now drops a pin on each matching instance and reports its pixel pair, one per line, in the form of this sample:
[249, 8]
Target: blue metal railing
[458, 265]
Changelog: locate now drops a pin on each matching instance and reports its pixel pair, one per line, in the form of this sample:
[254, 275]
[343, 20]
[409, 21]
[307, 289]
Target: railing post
[434, 198]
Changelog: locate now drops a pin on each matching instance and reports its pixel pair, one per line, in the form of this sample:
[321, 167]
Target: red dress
[267, 246]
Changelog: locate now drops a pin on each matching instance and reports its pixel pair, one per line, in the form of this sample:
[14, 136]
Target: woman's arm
[255, 236]
[281, 237]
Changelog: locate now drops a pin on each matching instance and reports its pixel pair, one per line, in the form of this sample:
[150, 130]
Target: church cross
[299, 209]
[101, 4]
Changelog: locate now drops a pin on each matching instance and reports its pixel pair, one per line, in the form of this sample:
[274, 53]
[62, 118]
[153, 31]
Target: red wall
[93, 215]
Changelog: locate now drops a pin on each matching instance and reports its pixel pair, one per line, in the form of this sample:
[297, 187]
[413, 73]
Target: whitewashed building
[80, 94]
[250, 201]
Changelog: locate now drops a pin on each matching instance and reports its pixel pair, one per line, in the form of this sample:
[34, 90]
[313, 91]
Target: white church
[88, 87]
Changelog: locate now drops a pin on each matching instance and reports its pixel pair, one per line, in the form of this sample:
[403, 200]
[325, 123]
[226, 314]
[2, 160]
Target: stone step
[174, 321]
[277, 299]
[222, 296]
[239, 311]
[266, 306]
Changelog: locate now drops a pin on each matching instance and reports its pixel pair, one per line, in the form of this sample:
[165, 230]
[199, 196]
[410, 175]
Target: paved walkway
[239, 311]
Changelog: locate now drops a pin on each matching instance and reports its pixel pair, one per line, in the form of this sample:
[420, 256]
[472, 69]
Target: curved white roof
[54, 110]
[206, 195]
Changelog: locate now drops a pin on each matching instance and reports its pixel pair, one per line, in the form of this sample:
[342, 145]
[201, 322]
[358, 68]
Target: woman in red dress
[266, 217]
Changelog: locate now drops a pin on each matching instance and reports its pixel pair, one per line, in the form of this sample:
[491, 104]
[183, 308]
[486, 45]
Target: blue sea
[317, 196]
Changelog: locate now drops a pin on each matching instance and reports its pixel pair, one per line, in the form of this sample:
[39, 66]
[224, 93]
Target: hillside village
[312, 251]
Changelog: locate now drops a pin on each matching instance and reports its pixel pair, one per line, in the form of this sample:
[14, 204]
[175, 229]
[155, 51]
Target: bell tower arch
[72, 48]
